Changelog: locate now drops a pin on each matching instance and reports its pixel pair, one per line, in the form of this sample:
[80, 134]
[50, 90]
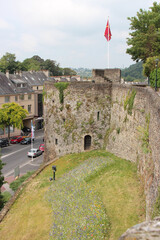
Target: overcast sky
[71, 32]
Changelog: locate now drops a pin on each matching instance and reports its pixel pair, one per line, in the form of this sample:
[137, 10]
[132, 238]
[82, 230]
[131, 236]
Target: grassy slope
[31, 217]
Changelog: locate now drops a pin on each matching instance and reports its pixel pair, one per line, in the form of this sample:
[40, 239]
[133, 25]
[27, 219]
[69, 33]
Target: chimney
[46, 72]
[20, 73]
[7, 74]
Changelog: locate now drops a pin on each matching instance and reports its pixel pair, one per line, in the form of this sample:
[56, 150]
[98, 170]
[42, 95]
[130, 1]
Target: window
[21, 97]
[11, 129]
[29, 108]
[7, 99]
[37, 88]
[1, 131]
[22, 107]
[98, 116]
[56, 141]
[29, 96]
[16, 98]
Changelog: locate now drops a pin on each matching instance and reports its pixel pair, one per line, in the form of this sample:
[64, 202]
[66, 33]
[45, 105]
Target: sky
[71, 32]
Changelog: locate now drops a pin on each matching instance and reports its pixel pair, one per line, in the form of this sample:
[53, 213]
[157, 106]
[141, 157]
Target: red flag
[107, 32]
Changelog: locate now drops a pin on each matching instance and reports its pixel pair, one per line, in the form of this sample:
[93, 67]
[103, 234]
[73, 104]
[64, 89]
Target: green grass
[6, 196]
[17, 183]
[115, 187]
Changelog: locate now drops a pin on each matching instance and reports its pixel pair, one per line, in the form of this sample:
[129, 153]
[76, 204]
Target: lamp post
[54, 173]
[157, 60]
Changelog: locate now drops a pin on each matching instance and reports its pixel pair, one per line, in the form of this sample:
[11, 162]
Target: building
[19, 92]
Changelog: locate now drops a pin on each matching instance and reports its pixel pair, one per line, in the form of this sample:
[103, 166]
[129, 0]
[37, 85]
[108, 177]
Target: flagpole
[32, 136]
[108, 35]
[108, 54]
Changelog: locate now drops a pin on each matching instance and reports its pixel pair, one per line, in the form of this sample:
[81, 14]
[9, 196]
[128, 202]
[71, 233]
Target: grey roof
[17, 79]
[34, 78]
[6, 86]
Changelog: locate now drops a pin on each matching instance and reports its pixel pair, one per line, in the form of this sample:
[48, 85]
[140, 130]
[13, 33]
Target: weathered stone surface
[144, 231]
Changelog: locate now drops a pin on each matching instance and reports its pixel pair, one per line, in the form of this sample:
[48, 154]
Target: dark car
[4, 142]
[26, 140]
[16, 139]
[26, 129]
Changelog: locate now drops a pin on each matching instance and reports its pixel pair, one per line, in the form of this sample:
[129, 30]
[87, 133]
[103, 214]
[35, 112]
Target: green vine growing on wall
[61, 86]
[78, 105]
[144, 135]
[129, 101]
[44, 94]
[156, 209]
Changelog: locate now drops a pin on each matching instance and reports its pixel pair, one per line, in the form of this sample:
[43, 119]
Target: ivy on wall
[61, 86]
[129, 101]
[144, 135]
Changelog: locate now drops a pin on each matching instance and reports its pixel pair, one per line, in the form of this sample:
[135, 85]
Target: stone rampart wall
[123, 119]
[136, 135]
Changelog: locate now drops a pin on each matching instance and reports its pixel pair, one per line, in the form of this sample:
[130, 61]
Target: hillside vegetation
[133, 73]
[96, 195]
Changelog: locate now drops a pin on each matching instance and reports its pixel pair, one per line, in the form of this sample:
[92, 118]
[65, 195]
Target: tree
[1, 183]
[31, 64]
[12, 114]
[145, 35]
[69, 71]
[150, 65]
[8, 62]
[53, 67]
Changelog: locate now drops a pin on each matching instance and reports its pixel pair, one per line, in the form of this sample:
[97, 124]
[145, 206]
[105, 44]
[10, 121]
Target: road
[15, 156]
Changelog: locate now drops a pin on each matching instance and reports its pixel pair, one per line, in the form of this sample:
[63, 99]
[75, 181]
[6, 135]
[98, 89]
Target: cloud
[4, 24]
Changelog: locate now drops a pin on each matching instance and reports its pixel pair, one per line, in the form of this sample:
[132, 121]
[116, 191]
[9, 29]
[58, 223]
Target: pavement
[9, 179]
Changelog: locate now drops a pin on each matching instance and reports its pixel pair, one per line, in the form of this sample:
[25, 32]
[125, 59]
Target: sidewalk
[5, 187]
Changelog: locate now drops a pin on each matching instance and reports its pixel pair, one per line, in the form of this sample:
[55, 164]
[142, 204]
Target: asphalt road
[15, 156]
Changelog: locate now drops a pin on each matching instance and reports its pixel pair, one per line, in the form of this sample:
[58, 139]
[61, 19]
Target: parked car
[26, 140]
[16, 139]
[34, 152]
[41, 147]
[4, 142]
[26, 129]
[26, 135]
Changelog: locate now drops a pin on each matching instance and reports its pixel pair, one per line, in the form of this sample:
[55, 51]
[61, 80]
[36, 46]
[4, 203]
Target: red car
[16, 139]
[41, 147]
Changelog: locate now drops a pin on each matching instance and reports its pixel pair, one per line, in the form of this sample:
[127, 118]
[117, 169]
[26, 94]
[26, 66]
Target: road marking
[13, 152]
[34, 164]
[21, 166]
[12, 171]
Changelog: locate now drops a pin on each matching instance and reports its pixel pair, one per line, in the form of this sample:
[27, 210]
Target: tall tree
[32, 64]
[8, 62]
[145, 34]
[150, 65]
[69, 71]
[1, 183]
[53, 67]
[12, 114]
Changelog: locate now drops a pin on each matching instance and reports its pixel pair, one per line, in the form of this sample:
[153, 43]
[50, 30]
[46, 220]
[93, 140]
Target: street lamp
[157, 60]
[54, 173]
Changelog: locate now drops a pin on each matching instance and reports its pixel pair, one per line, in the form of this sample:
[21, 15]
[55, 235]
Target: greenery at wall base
[17, 183]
